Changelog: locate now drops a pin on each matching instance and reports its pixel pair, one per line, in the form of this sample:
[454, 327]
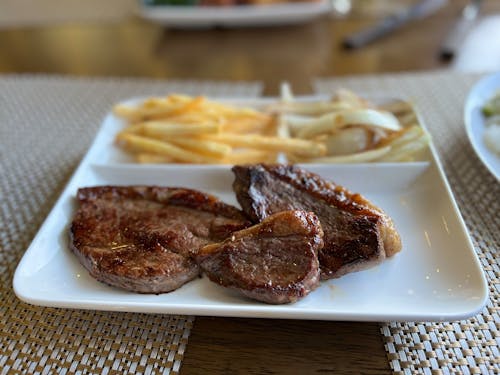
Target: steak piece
[358, 234]
[275, 261]
[144, 239]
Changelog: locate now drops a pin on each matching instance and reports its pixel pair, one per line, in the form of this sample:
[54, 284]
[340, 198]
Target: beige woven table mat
[46, 126]
[463, 347]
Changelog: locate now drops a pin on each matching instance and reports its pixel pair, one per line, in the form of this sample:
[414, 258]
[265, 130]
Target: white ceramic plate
[474, 120]
[234, 16]
[436, 277]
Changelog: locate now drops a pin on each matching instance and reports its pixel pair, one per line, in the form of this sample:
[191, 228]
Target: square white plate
[437, 276]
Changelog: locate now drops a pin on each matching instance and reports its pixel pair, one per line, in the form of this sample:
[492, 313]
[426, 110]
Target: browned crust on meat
[301, 179]
[284, 223]
[111, 268]
[295, 238]
[165, 195]
[122, 237]
[381, 236]
[342, 198]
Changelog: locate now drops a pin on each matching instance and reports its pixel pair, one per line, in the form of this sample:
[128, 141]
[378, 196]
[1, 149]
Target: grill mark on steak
[143, 239]
[358, 234]
[274, 261]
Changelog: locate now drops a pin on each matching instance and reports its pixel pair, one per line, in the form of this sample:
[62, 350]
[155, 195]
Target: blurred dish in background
[476, 116]
[223, 2]
[232, 13]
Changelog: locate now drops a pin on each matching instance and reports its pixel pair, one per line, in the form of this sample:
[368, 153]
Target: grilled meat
[358, 234]
[143, 239]
[274, 261]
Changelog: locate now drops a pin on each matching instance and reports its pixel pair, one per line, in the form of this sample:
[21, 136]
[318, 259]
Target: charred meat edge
[322, 190]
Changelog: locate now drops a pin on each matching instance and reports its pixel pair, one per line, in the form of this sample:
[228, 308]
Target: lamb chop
[143, 239]
[274, 261]
[358, 234]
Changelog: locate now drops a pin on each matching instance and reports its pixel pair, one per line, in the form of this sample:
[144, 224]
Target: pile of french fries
[183, 129]
[195, 130]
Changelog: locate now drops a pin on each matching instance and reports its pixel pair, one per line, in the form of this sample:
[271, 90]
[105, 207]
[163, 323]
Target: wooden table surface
[297, 54]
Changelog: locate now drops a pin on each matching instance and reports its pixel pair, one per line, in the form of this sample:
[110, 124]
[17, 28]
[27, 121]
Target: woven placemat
[46, 126]
[463, 347]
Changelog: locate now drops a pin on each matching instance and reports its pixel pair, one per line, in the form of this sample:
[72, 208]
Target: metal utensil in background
[460, 30]
[389, 24]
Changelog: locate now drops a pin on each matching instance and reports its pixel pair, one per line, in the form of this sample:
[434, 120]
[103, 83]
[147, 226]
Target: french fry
[228, 110]
[191, 105]
[312, 127]
[179, 98]
[298, 146]
[203, 146]
[309, 108]
[282, 129]
[359, 157]
[402, 137]
[234, 124]
[140, 144]
[404, 150]
[248, 112]
[169, 129]
[149, 109]
[289, 105]
[133, 129]
[127, 112]
[286, 93]
[194, 118]
[154, 107]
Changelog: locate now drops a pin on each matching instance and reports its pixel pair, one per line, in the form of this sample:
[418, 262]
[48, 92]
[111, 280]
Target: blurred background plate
[234, 15]
[475, 120]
